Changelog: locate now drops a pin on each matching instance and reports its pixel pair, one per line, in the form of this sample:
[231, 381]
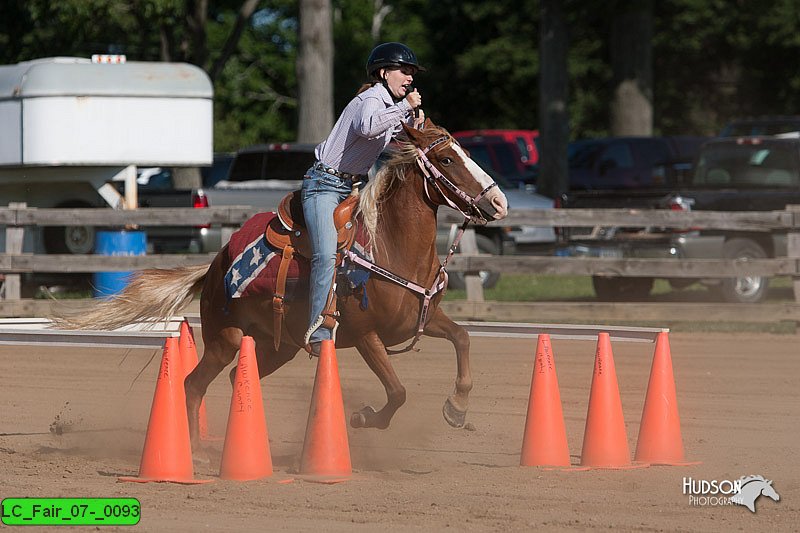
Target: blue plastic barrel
[116, 242]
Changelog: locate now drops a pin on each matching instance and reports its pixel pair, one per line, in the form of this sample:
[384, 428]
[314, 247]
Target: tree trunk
[315, 71]
[196, 17]
[631, 50]
[553, 117]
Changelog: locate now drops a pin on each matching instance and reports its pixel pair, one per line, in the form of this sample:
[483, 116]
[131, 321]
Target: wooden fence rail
[13, 262]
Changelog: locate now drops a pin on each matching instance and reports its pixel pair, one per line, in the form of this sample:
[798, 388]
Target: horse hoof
[455, 417]
[359, 418]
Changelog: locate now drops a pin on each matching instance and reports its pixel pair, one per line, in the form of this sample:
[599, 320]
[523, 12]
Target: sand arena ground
[738, 398]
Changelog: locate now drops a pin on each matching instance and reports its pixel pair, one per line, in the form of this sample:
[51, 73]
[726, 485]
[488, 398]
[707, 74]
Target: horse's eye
[446, 161]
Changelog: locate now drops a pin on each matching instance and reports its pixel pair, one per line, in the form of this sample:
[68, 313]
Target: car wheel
[748, 289]
[69, 239]
[489, 278]
[621, 289]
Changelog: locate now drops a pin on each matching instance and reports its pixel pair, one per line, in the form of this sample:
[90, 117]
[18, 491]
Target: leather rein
[436, 179]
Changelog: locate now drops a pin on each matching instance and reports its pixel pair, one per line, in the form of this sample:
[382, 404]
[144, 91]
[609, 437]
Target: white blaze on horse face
[495, 196]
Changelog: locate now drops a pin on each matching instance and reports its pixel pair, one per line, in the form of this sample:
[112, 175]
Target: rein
[432, 176]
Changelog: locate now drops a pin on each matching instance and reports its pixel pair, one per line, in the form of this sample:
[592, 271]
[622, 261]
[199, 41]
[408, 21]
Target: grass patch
[543, 288]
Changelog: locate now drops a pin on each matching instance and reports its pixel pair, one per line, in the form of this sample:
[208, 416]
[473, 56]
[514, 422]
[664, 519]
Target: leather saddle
[289, 227]
[287, 232]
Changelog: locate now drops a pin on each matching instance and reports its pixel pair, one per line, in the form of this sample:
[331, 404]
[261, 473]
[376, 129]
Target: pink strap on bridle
[439, 284]
[434, 177]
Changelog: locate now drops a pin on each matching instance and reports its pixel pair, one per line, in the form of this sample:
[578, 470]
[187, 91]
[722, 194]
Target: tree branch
[245, 12]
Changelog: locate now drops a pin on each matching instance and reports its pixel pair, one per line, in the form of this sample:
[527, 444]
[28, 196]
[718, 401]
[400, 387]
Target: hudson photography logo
[743, 491]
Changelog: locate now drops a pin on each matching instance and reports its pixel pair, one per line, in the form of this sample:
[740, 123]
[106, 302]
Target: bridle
[434, 178]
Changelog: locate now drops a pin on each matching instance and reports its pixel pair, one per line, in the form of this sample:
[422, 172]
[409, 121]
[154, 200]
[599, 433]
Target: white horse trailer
[69, 127]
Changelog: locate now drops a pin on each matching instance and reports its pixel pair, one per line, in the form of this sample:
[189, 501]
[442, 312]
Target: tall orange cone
[246, 454]
[545, 440]
[326, 451]
[605, 443]
[660, 440]
[189, 358]
[167, 454]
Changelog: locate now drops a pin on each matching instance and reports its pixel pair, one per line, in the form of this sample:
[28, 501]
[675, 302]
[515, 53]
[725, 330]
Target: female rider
[363, 130]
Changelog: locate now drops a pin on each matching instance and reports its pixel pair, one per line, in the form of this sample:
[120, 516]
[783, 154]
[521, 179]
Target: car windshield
[748, 165]
[581, 154]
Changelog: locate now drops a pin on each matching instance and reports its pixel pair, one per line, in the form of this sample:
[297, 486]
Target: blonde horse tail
[151, 294]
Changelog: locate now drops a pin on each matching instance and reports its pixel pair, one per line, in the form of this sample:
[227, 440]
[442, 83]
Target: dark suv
[770, 125]
[275, 161]
[631, 162]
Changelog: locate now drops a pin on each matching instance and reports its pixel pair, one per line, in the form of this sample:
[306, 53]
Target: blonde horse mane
[395, 170]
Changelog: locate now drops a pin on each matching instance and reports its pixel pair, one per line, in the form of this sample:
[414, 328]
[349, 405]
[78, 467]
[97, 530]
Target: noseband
[435, 178]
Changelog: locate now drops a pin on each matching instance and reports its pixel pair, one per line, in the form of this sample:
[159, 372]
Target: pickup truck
[730, 174]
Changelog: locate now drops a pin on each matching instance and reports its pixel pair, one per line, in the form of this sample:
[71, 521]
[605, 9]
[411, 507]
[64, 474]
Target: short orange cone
[189, 358]
[326, 451]
[660, 440]
[167, 454]
[246, 454]
[545, 439]
[605, 443]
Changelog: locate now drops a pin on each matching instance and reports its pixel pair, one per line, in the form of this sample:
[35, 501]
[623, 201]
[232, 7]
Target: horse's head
[459, 181]
[768, 490]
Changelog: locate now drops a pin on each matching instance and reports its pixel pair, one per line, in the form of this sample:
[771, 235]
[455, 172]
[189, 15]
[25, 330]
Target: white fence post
[469, 246]
[793, 248]
[14, 237]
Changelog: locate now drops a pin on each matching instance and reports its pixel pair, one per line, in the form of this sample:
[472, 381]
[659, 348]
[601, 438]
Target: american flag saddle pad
[254, 264]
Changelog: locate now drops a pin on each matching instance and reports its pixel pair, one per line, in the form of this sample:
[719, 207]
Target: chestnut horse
[398, 208]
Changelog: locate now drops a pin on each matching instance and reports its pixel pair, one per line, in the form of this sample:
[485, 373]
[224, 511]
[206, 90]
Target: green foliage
[713, 59]
[256, 94]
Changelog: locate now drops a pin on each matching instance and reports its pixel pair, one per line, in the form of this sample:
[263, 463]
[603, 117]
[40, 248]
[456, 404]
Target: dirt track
[738, 399]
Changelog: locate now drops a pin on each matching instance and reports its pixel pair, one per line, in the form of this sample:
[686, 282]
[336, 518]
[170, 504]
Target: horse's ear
[428, 123]
[412, 133]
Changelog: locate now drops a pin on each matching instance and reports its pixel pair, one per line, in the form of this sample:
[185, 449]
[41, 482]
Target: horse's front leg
[374, 353]
[455, 407]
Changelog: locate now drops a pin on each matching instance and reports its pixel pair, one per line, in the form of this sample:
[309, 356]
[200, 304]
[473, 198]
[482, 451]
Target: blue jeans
[321, 194]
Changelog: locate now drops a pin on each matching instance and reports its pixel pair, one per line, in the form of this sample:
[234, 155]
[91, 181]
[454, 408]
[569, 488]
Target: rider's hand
[414, 99]
[419, 119]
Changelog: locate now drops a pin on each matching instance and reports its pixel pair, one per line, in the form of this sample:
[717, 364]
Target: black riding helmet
[391, 55]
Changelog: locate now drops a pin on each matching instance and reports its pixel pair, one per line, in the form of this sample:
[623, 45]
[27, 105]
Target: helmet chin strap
[385, 83]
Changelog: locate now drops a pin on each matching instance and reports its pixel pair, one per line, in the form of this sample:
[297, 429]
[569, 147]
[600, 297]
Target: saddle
[287, 232]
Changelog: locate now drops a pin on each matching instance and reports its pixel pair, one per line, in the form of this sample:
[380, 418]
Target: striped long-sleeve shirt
[364, 130]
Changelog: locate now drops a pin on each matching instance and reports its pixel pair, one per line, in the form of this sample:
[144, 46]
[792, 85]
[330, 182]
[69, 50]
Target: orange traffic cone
[605, 443]
[167, 454]
[326, 451]
[660, 440]
[189, 358]
[545, 439]
[246, 454]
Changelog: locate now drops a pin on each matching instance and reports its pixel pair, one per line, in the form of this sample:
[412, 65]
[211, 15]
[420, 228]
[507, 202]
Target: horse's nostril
[499, 204]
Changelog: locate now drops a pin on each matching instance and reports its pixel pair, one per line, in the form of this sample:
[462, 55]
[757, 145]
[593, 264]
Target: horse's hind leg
[220, 349]
[455, 407]
[374, 353]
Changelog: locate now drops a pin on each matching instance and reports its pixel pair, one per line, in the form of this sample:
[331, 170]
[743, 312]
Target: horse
[398, 210]
[751, 488]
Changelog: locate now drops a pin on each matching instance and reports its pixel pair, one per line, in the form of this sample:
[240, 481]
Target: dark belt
[334, 172]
